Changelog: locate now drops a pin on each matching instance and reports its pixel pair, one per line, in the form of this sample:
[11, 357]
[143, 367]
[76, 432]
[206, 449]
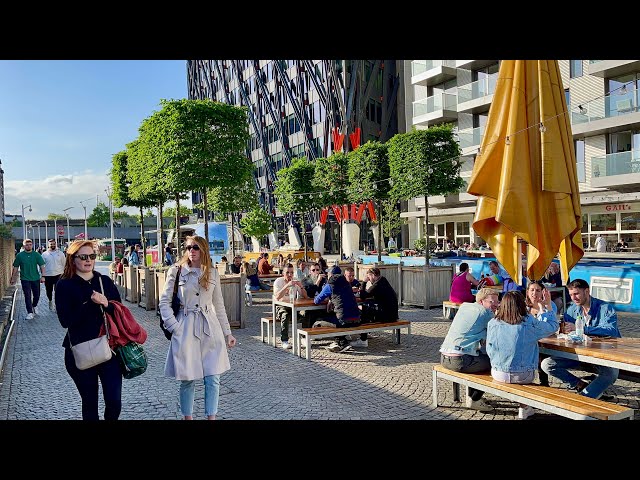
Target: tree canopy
[99, 216]
[331, 179]
[369, 172]
[256, 223]
[292, 181]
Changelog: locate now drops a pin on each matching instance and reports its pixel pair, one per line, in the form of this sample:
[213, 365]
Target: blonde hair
[205, 260]
[484, 293]
[69, 264]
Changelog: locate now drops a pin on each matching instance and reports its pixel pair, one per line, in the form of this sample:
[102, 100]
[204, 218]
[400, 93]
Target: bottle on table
[580, 327]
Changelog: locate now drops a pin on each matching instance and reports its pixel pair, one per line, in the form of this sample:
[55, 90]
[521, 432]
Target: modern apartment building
[603, 102]
[1, 191]
[302, 108]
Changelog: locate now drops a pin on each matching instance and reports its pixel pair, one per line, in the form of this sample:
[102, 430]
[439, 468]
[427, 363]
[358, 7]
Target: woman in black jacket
[78, 300]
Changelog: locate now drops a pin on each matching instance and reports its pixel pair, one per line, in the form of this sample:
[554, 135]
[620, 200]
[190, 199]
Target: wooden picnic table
[621, 353]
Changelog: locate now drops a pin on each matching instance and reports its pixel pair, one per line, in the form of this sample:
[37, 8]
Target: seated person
[345, 307]
[535, 293]
[600, 320]
[512, 340]
[253, 283]
[554, 276]
[264, 268]
[463, 348]
[314, 282]
[380, 302]
[350, 275]
[285, 286]
[301, 270]
[236, 266]
[461, 285]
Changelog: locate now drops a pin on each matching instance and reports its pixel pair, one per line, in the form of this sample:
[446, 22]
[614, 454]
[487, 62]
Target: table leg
[273, 324]
[294, 329]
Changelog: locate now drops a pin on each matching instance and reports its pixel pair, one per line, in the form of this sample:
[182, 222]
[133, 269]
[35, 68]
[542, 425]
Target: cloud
[55, 193]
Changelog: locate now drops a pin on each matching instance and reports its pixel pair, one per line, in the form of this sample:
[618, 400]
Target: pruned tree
[369, 178]
[99, 216]
[257, 223]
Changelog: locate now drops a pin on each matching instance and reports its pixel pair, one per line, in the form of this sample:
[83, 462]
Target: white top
[54, 262]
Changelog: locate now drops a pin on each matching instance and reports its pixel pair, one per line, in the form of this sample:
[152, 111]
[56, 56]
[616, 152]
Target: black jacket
[76, 312]
[383, 299]
[343, 299]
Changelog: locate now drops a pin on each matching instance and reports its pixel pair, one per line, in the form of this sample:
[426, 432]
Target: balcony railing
[471, 137]
[442, 101]
[478, 89]
[612, 105]
[621, 163]
[421, 66]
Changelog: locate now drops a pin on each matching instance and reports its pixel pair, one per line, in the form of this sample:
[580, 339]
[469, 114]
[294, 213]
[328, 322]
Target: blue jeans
[211, 395]
[255, 288]
[558, 368]
[28, 287]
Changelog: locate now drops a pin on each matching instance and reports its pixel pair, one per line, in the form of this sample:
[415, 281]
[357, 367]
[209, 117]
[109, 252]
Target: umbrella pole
[426, 253]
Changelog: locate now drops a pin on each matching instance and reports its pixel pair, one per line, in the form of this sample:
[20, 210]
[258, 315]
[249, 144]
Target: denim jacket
[469, 326]
[514, 348]
[604, 319]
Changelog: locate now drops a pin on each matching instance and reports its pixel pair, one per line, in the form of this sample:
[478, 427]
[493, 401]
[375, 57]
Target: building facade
[299, 108]
[603, 104]
[1, 191]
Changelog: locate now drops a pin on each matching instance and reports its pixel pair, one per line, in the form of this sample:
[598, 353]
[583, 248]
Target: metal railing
[478, 89]
[612, 105]
[442, 101]
[471, 137]
[421, 66]
[620, 163]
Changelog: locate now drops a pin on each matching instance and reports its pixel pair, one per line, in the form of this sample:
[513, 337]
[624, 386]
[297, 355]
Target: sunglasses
[315, 270]
[85, 256]
[194, 247]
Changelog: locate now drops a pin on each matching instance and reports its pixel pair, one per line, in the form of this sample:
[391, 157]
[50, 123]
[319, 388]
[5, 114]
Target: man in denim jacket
[463, 349]
[600, 320]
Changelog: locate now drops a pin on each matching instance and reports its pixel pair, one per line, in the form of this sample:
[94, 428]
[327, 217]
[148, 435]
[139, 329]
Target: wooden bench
[448, 307]
[248, 295]
[307, 334]
[550, 399]
[265, 323]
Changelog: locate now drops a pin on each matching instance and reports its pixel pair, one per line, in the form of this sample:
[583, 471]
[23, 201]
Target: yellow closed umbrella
[525, 172]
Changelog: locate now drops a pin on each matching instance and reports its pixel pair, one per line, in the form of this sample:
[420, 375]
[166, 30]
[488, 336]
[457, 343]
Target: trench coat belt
[200, 322]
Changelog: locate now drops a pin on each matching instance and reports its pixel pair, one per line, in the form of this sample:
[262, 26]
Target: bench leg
[444, 311]
[456, 392]
[262, 331]
[308, 348]
[398, 336]
[273, 332]
[435, 389]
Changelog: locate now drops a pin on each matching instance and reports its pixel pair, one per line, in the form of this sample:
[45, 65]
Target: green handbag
[133, 360]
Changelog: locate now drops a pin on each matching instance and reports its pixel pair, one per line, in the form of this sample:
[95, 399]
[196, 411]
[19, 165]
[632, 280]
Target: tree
[192, 145]
[257, 223]
[292, 182]
[121, 215]
[368, 178]
[99, 216]
[56, 216]
[391, 221]
[171, 211]
[423, 163]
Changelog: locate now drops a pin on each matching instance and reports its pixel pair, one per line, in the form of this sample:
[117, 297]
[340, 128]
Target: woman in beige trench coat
[201, 331]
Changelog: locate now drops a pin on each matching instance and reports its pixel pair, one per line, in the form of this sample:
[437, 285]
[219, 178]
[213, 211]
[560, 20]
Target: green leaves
[99, 217]
[256, 223]
[369, 172]
[292, 181]
[331, 179]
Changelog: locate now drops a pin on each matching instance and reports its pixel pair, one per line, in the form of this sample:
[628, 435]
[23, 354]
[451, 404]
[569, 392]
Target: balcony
[608, 114]
[474, 64]
[438, 108]
[432, 72]
[476, 97]
[470, 138]
[612, 68]
[616, 169]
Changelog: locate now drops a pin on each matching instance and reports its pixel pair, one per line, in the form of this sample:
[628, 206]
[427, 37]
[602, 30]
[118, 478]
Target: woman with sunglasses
[78, 301]
[201, 331]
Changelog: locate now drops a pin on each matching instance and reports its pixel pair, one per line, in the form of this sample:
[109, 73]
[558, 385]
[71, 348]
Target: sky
[61, 122]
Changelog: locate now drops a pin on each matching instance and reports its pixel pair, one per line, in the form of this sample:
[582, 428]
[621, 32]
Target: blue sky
[61, 121]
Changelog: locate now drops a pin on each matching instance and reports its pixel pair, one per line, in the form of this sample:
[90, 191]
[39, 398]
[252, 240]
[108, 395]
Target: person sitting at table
[301, 269]
[535, 292]
[344, 304]
[461, 285]
[554, 276]
[380, 302]
[253, 283]
[264, 268]
[282, 291]
[463, 348]
[600, 320]
[350, 275]
[314, 282]
[512, 340]
[236, 266]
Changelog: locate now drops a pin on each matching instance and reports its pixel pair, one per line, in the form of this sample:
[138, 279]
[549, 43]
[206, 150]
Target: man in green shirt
[31, 266]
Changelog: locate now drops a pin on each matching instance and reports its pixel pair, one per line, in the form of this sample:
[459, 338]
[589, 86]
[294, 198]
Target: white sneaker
[285, 346]
[479, 405]
[525, 412]
[359, 343]
[30, 316]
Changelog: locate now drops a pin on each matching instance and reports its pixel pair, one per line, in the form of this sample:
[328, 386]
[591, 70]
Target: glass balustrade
[621, 163]
[478, 89]
[470, 137]
[612, 105]
[442, 101]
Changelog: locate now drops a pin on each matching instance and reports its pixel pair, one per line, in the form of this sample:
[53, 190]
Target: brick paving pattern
[385, 381]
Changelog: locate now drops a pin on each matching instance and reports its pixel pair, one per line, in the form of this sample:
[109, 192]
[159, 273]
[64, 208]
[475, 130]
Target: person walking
[201, 332]
[53, 268]
[79, 302]
[31, 266]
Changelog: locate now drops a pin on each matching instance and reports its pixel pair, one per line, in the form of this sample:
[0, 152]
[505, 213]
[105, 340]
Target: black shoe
[607, 398]
[581, 385]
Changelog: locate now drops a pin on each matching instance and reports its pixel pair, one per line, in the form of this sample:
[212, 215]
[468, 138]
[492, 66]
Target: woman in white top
[200, 333]
[534, 298]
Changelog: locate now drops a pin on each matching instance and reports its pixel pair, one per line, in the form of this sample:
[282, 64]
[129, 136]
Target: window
[630, 221]
[580, 164]
[602, 222]
[615, 290]
[575, 68]
[567, 97]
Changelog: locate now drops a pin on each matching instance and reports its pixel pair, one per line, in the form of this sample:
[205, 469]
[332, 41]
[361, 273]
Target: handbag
[133, 359]
[92, 352]
[175, 305]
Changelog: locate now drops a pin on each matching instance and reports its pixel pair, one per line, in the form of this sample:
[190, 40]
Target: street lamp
[113, 244]
[68, 231]
[39, 237]
[86, 237]
[24, 224]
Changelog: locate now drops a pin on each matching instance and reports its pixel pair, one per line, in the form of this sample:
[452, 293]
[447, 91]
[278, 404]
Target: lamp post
[86, 237]
[39, 237]
[24, 223]
[68, 230]
[46, 231]
[113, 244]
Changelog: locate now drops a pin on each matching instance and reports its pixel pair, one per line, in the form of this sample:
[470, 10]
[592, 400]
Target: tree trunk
[205, 212]
[142, 239]
[379, 247]
[160, 240]
[426, 253]
[233, 243]
[304, 232]
[178, 242]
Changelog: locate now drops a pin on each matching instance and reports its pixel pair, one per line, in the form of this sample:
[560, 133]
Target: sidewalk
[383, 382]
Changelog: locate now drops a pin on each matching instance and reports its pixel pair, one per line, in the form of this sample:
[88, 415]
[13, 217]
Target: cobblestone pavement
[385, 381]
